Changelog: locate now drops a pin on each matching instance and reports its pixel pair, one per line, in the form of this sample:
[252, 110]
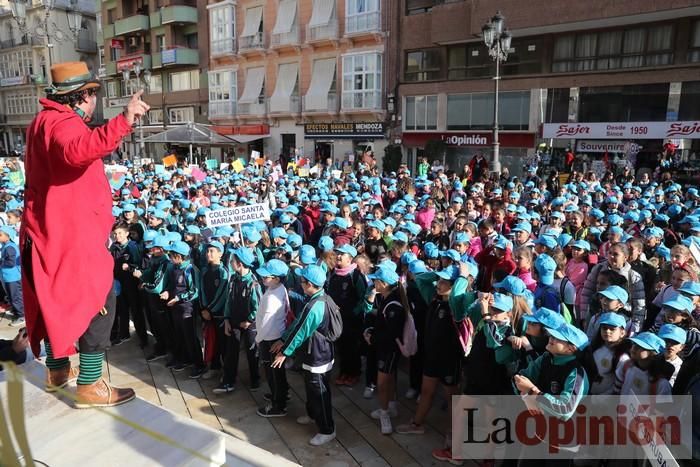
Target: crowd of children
[592, 289]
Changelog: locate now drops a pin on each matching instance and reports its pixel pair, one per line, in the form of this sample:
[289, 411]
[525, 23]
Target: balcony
[108, 31]
[174, 14]
[363, 23]
[17, 42]
[222, 109]
[332, 107]
[289, 39]
[132, 24]
[293, 106]
[86, 44]
[324, 32]
[358, 101]
[177, 56]
[257, 109]
[251, 43]
[221, 47]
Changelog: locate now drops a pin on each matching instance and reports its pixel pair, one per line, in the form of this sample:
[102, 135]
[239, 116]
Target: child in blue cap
[11, 274]
[646, 373]
[213, 290]
[675, 339]
[679, 311]
[609, 351]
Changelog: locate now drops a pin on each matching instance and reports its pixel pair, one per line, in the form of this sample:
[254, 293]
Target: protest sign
[212, 164]
[198, 174]
[160, 169]
[169, 161]
[16, 178]
[238, 215]
[237, 166]
[224, 166]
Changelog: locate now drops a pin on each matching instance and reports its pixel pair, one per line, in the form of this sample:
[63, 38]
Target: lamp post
[497, 40]
[47, 28]
[145, 77]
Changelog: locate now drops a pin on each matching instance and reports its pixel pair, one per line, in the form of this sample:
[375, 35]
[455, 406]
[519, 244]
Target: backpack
[408, 345]
[335, 320]
[465, 333]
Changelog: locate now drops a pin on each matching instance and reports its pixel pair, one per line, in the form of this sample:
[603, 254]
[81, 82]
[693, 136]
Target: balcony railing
[222, 109]
[223, 46]
[288, 38]
[332, 106]
[86, 44]
[256, 41]
[322, 32]
[293, 106]
[362, 100]
[254, 109]
[362, 22]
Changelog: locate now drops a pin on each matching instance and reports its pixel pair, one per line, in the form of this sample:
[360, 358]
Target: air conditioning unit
[133, 41]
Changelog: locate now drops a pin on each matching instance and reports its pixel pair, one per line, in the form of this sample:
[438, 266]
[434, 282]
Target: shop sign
[129, 63]
[623, 130]
[587, 145]
[470, 139]
[168, 57]
[117, 44]
[13, 81]
[466, 139]
[345, 130]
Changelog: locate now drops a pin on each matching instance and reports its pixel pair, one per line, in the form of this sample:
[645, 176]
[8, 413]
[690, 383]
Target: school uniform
[154, 279]
[128, 301]
[213, 287]
[11, 275]
[182, 283]
[388, 327]
[608, 366]
[419, 309]
[270, 325]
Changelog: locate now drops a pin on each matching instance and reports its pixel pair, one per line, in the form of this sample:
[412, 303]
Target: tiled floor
[359, 441]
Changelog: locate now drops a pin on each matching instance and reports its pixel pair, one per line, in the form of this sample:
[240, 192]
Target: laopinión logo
[598, 427]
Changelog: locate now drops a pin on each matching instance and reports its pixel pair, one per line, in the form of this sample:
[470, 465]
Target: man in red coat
[67, 273]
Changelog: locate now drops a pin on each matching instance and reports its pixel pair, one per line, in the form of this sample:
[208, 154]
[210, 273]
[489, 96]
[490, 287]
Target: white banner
[588, 145]
[238, 215]
[622, 130]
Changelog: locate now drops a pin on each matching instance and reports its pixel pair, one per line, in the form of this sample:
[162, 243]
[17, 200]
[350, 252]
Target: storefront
[344, 141]
[461, 147]
[248, 138]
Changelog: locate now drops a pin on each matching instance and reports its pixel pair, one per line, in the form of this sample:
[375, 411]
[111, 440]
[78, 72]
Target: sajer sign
[623, 130]
[238, 215]
[345, 130]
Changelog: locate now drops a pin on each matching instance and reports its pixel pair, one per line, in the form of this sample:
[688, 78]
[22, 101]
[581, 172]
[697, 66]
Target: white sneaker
[304, 420]
[385, 422]
[411, 393]
[369, 391]
[393, 411]
[321, 439]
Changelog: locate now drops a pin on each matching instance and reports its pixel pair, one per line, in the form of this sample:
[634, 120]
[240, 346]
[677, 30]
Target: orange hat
[70, 77]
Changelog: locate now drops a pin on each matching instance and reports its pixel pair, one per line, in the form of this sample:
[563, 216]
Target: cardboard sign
[254, 155]
[224, 166]
[16, 178]
[237, 166]
[238, 215]
[117, 180]
[169, 161]
[198, 174]
[304, 172]
[212, 164]
[336, 173]
[160, 169]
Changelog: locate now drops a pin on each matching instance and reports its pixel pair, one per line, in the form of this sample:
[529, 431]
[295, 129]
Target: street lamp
[497, 40]
[47, 28]
[145, 78]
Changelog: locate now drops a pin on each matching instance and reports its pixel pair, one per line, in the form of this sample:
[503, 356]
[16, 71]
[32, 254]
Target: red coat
[68, 215]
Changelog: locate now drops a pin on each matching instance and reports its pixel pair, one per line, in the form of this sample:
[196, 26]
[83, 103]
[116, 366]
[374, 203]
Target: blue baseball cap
[502, 302]
[193, 230]
[377, 224]
[581, 245]
[523, 227]
[400, 237]
[431, 250]
[244, 255]
[473, 269]
[386, 275]
[546, 240]
[613, 319]
[501, 242]
[216, 244]
[313, 274]
[279, 232]
[690, 288]
[546, 317]
[294, 240]
[615, 292]
[649, 341]
[680, 303]
[180, 248]
[325, 243]
[673, 332]
[340, 222]
[450, 254]
[417, 267]
[251, 235]
[347, 249]
[450, 273]
[462, 237]
[512, 284]
[161, 241]
[571, 334]
[307, 254]
[408, 257]
[274, 268]
[545, 266]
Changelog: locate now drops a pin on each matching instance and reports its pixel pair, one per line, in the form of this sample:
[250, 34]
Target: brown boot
[57, 379]
[101, 394]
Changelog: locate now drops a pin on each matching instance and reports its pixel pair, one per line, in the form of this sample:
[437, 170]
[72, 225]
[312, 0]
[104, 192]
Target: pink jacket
[425, 217]
[577, 272]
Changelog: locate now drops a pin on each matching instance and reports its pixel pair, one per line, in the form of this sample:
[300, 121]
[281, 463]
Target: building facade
[26, 56]
[304, 77]
[169, 39]
[569, 62]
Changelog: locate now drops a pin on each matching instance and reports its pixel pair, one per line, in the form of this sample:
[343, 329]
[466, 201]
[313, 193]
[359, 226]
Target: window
[416, 7]
[607, 50]
[362, 81]
[181, 115]
[191, 41]
[557, 107]
[524, 57]
[474, 111]
[160, 42]
[473, 60]
[130, 87]
[222, 29]
[222, 86]
[689, 108]
[156, 84]
[694, 50]
[101, 56]
[111, 16]
[21, 103]
[457, 62]
[184, 80]
[16, 64]
[362, 15]
[155, 116]
[420, 113]
[634, 103]
[114, 54]
[112, 89]
[423, 65]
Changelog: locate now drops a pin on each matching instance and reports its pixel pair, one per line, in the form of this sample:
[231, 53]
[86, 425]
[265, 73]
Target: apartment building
[299, 76]
[168, 38]
[598, 62]
[25, 57]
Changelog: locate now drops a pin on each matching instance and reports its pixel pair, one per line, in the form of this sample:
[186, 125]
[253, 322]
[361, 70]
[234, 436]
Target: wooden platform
[359, 441]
